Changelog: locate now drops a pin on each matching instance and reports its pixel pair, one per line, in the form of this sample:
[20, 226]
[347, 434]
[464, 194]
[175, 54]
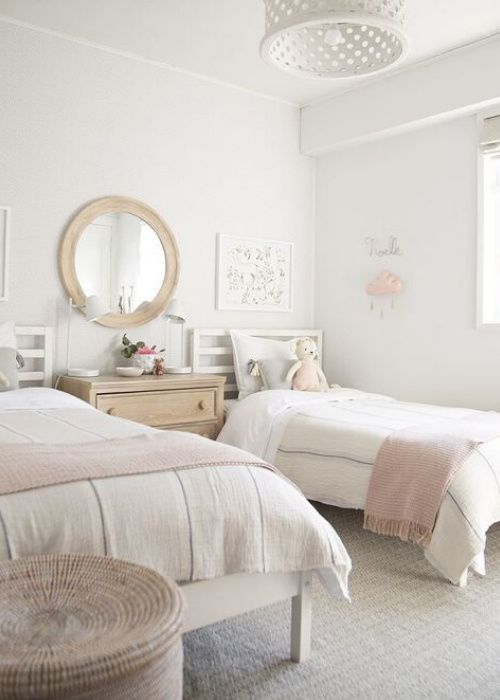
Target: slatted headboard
[35, 345]
[212, 353]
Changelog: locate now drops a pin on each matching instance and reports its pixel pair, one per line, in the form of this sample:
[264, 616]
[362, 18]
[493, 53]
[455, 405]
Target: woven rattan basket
[88, 628]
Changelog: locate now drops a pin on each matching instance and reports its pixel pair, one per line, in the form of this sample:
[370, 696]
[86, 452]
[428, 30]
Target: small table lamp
[175, 312]
[93, 308]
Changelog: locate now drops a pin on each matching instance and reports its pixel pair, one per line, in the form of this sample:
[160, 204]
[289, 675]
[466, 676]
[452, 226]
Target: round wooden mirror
[122, 251]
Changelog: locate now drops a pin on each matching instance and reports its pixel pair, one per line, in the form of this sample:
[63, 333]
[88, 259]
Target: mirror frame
[74, 231]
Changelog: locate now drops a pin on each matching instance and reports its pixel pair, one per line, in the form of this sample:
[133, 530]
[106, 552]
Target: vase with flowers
[142, 355]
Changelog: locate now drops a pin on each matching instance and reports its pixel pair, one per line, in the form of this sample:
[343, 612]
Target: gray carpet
[407, 634]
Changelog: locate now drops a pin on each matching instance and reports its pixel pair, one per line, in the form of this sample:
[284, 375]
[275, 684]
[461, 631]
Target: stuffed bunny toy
[306, 374]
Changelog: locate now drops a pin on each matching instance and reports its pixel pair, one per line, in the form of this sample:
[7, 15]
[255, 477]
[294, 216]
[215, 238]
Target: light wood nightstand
[193, 402]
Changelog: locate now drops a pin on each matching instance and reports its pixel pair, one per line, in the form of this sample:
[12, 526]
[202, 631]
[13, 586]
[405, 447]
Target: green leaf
[140, 344]
[125, 340]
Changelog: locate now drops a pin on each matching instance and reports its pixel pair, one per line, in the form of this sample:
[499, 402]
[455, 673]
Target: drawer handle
[112, 411]
[203, 404]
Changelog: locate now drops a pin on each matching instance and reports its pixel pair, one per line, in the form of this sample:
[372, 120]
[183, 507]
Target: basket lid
[71, 623]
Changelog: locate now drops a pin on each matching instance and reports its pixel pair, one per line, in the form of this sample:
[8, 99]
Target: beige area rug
[407, 634]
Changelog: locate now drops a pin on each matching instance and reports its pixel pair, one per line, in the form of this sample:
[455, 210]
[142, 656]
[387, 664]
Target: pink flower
[146, 350]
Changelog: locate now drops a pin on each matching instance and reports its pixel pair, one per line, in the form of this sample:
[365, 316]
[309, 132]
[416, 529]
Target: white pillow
[8, 369]
[250, 347]
[273, 373]
[7, 335]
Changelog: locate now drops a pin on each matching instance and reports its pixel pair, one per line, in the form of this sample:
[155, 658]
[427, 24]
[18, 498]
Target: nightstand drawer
[161, 408]
[208, 430]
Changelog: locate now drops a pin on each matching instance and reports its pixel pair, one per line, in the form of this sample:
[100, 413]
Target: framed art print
[254, 274]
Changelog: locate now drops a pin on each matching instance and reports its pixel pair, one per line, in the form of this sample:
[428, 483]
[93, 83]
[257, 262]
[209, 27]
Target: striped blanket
[191, 524]
[328, 444]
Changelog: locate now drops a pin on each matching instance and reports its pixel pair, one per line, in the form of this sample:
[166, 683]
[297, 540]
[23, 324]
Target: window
[489, 235]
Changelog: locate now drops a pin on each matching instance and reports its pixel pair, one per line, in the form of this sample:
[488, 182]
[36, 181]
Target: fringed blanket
[28, 466]
[413, 471]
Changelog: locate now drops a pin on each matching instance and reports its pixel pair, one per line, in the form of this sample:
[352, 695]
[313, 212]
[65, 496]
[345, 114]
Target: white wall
[77, 123]
[453, 84]
[421, 187]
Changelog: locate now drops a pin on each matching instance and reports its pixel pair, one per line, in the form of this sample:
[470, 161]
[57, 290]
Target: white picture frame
[254, 274]
[4, 252]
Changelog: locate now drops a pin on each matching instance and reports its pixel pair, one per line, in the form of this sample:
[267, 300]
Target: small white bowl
[129, 371]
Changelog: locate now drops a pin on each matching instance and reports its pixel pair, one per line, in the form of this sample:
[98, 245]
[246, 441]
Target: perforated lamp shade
[334, 38]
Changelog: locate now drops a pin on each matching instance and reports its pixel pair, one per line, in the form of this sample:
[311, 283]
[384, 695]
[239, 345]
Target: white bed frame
[215, 599]
[35, 343]
[212, 353]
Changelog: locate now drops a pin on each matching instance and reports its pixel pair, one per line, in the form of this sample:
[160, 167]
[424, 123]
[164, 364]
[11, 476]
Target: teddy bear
[306, 374]
[159, 367]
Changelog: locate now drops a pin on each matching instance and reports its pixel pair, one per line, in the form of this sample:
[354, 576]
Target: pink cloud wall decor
[385, 283]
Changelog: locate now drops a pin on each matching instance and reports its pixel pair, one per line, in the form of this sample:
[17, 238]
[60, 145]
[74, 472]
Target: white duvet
[191, 525]
[327, 444]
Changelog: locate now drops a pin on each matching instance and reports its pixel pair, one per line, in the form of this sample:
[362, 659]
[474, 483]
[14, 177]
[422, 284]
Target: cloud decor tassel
[385, 285]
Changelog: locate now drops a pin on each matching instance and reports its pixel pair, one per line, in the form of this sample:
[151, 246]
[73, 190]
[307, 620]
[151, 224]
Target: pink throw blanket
[413, 471]
[33, 465]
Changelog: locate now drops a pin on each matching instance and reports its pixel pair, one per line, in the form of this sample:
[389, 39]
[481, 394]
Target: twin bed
[233, 533]
[327, 444]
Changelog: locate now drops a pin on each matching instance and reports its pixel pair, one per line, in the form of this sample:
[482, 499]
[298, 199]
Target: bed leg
[300, 647]
[463, 579]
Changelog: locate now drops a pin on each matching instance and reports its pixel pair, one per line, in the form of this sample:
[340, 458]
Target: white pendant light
[334, 38]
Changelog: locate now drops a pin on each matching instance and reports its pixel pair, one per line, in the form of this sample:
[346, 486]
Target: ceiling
[220, 38]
